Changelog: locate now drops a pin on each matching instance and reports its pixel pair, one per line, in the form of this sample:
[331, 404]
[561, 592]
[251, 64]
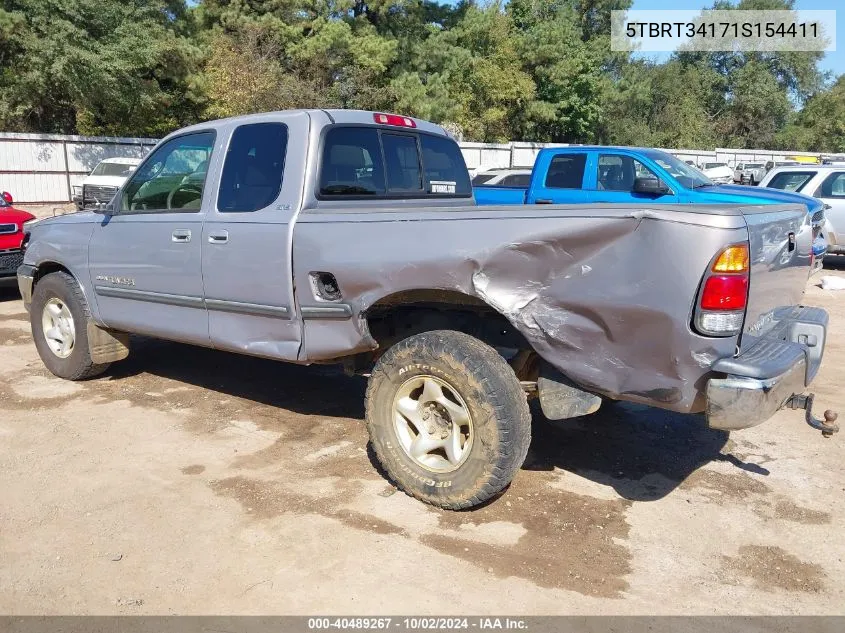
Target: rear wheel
[59, 318]
[448, 419]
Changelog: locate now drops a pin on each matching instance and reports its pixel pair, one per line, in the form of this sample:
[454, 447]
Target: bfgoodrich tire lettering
[61, 288]
[481, 381]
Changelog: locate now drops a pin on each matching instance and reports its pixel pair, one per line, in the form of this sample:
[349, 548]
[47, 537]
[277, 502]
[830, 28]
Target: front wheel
[447, 418]
[59, 318]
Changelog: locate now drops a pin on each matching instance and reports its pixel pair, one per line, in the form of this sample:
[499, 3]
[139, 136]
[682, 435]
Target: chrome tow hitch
[827, 426]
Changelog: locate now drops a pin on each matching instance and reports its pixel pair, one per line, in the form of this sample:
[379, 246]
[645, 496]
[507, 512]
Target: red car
[11, 236]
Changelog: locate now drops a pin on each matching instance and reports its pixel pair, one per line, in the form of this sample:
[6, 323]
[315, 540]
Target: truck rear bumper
[769, 371]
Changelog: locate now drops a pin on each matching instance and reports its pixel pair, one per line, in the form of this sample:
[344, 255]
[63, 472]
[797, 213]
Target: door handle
[181, 235]
[218, 237]
[543, 201]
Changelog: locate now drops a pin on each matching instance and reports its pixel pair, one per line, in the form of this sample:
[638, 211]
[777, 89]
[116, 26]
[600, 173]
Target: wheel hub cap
[433, 423]
[57, 325]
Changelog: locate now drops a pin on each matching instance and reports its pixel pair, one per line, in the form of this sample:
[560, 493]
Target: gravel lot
[191, 481]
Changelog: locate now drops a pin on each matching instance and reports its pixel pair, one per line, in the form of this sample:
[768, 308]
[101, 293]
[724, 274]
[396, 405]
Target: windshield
[713, 165]
[112, 169]
[687, 175]
[754, 166]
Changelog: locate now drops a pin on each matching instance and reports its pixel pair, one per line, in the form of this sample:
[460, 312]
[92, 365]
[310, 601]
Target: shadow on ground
[641, 452]
[9, 290]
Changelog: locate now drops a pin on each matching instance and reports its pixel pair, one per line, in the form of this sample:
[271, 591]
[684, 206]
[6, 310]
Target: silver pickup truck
[332, 236]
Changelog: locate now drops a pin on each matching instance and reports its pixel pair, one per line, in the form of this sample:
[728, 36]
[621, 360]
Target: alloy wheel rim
[58, 327]
[433, 423]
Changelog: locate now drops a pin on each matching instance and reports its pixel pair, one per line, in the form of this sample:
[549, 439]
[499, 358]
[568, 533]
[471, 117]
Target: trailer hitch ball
[830, 423]
[827, 426]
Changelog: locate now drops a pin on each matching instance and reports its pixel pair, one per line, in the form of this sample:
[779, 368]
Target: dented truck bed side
[604, 293]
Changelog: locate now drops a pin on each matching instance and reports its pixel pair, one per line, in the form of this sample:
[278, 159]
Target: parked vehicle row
[336, 236]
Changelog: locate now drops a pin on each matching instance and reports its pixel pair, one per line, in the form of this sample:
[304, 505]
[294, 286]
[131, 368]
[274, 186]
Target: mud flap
[560, 398]
[107, 346]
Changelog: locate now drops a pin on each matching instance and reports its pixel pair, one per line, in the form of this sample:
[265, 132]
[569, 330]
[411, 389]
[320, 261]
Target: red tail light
[7, 197]
[394, 119]
[724, 292]
[720, 309]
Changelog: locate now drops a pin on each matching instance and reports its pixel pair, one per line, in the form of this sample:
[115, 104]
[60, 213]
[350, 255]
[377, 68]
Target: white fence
[43, 168]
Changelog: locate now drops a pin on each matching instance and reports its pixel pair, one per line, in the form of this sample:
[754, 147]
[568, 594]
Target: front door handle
[218, 237]
[181, 235]
[543, 201]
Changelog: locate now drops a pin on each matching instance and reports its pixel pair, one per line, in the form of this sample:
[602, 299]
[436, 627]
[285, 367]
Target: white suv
[502, 177]
[825, 182]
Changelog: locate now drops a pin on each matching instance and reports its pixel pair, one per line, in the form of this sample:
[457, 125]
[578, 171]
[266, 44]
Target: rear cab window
[360, 162]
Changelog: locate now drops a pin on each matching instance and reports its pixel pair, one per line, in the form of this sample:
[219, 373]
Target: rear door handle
[181, 235]
[218, 237]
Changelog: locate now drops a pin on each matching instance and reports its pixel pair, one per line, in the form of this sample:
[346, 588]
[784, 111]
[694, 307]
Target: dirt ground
[197, 482]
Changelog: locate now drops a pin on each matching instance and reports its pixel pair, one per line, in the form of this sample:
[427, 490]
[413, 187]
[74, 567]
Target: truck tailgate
[780, 240]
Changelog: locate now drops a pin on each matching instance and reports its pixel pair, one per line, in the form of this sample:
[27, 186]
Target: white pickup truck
[102, 183]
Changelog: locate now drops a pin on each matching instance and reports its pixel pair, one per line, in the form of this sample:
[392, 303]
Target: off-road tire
[496, 402]
[79, 365]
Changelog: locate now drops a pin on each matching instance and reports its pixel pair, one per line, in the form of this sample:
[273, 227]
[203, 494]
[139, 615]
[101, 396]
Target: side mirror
[7, 197]
[651, 186]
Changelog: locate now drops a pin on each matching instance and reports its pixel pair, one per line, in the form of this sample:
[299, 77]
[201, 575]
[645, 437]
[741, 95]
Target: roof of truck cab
[603, 148]
[351, 117]
[805, 167]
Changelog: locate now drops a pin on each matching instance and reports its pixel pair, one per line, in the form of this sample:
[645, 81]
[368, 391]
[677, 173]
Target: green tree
[97, 66]
[820, 126]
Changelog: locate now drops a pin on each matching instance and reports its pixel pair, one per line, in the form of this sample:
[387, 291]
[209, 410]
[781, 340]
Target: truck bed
[602, 292]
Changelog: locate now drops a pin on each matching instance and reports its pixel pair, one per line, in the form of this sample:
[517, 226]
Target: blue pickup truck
[584, 174]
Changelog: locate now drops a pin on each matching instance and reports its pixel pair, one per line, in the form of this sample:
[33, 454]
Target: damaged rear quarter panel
[602, 293]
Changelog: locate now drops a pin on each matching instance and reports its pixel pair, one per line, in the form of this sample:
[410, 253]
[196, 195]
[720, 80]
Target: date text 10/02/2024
[417, 623]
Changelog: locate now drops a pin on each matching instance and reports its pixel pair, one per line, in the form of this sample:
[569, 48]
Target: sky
[833, 61]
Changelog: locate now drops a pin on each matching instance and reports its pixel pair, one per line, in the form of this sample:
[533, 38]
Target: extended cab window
[172, 178]
[566, 171]
[255, 163]
[374, 162]
[617, 172]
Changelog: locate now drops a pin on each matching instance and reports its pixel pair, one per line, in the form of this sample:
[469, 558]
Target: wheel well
[404, 314]
[46, 268]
